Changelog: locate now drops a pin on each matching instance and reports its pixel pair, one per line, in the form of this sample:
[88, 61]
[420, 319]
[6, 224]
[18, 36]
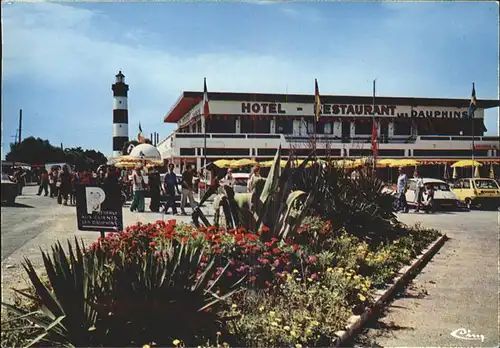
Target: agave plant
[64, 315]
[273, 202]
[93, 300]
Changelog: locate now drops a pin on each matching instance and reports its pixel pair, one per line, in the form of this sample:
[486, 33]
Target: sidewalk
[457, 289]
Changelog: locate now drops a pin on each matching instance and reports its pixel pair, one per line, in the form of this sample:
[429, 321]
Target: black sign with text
[99, 208]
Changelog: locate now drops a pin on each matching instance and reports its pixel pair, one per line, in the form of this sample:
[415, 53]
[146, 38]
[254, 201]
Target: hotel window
[217, 125]
[402, 128]
[250, 125]
[284, 125]
[363, 128]
[327, 127]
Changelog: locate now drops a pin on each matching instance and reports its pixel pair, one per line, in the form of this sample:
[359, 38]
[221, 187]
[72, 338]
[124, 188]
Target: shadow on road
[16, 205]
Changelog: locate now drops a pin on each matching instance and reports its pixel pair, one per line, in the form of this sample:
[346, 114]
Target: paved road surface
[457, 289]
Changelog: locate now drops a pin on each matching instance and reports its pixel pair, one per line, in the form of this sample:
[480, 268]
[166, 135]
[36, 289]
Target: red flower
[295, 247]
[313, 259]
[276, 251]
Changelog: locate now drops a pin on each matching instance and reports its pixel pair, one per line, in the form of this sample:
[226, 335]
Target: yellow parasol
[492, 172]
[125, 164]
[405, 163]
[223, 163]
[466, 163]
[243, 163]
[359, 162]
[268, 164]
[386, 162]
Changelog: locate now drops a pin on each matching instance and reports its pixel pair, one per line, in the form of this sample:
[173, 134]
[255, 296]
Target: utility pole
[20, 124]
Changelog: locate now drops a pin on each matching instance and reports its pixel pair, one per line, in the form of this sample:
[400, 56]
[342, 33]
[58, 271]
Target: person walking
[187, 189]
[139, 187]
[229, 179]
[170, 187]
[419, 190]
[52, 183]
[65, 186]
[154, 183]
[401, 187]
[44, 183]
[253, 178]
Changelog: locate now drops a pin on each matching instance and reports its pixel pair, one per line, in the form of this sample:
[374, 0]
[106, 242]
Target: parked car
[240, 182]
[478, 192]
[444, 198]
[10, 189]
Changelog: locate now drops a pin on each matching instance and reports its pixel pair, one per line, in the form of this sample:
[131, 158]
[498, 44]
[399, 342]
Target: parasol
[466, 163]
[268, 164]
[244, 162]
[223, 163]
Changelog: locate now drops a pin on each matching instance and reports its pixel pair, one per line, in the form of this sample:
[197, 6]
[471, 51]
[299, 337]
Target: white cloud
[61, 46]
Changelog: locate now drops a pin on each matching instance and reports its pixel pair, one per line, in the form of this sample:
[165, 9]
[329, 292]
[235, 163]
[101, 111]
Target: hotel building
[251, 125]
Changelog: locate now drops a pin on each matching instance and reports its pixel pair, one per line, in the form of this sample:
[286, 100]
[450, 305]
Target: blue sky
[59, 59]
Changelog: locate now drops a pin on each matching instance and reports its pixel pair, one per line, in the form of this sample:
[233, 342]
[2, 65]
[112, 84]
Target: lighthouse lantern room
[120, 114]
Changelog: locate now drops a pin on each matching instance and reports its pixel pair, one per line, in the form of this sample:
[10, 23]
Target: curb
[355, 322]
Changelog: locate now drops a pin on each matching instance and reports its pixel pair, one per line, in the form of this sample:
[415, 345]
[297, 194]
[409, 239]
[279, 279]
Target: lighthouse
[120, 114]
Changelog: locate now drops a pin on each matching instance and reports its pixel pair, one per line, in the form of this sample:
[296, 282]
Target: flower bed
[294, 292]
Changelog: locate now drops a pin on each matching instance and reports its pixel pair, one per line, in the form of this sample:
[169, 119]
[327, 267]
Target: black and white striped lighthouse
[120, 114]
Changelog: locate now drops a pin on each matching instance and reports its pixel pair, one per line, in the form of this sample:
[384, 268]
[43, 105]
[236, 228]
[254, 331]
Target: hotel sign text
[262, 108]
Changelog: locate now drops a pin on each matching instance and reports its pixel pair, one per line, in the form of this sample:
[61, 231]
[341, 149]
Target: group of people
[169, 189]
[420, 189]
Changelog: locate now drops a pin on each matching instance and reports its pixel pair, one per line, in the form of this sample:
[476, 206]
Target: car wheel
[468, 203]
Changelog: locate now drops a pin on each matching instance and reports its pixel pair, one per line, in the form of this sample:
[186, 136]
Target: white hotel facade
[250, 125]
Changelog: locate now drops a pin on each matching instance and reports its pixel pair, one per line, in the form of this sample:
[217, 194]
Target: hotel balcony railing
[348, 139]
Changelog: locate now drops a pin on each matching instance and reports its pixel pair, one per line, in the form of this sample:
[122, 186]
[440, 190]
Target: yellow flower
[146, 346]
[272, 313]
[361, 297]
[234, 305]
[309, 279]
[295, 271]
[356, 277]
[314, 323]
[261, 308]
[278, 320]
[340, 269]
[298, 279]
[288, 277]
[286, 328]
[176, 342]
[298, 345]
[308, 331]
[329, 269]
[274, 323]
[293, 333]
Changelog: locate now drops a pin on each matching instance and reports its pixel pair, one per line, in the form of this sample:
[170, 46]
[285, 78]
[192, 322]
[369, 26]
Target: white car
[443, 196]
[240, 182]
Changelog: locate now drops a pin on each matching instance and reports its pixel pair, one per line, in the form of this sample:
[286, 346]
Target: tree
[38, 151]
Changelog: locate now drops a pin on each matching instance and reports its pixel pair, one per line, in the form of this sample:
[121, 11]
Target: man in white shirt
[401, 186]
[419, 190]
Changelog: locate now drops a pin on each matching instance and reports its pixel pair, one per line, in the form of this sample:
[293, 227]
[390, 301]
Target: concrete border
[355, 322]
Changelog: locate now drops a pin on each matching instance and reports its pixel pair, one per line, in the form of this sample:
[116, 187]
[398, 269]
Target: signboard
[99, 208]
[250, 108]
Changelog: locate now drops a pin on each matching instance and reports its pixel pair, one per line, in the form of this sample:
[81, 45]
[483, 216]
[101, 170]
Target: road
[458, 289]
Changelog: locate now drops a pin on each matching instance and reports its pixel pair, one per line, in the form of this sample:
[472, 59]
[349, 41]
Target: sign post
[99, 208]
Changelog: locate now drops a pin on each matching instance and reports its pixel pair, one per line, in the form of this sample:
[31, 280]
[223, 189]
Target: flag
[473, 102]
[206, 109]
[374, 138]
[140, 137]
[317, 101]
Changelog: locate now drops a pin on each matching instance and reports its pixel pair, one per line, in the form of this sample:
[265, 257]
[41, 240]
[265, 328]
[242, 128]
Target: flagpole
[374, 150]
[472, 130]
